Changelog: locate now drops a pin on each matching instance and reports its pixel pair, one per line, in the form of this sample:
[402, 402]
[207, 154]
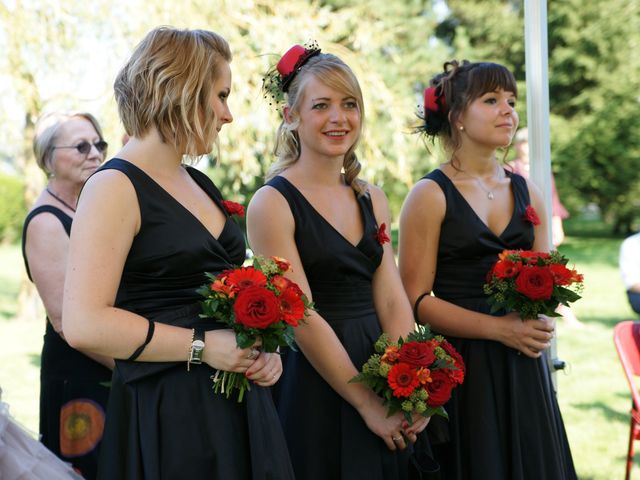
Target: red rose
[531, 216]
[244, 277]
[233, 208]
[403, 379]
[506, 269]
[561, 274]
[381, 235]
[439, 388]
[535, 283]
[291, 306]
[417, 354]
[280, 282]
[256, 307]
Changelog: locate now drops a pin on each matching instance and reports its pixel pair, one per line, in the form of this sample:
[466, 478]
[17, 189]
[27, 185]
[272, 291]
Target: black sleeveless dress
[74, 389]
[164, 422]
[327, 437]
[505, 423]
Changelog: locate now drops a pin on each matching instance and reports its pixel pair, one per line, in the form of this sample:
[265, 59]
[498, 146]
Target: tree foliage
[66, 53]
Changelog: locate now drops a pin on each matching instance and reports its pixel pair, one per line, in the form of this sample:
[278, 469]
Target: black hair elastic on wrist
[417, 304]
[139, 350]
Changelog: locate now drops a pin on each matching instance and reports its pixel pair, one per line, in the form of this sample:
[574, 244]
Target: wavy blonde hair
[167, 84]
[46, 135]
[335, 74]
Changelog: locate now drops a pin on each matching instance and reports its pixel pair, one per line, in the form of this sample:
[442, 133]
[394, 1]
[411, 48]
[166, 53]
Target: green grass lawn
[592, 392]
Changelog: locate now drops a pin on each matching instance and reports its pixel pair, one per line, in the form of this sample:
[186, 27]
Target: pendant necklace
[489, 193]
[60, 200]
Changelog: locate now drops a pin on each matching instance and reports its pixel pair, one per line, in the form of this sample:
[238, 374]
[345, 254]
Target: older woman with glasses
[74, 386]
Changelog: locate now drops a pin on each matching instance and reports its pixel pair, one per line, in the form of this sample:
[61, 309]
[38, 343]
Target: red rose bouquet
[255, 301]
[532, 283]
[413, 375]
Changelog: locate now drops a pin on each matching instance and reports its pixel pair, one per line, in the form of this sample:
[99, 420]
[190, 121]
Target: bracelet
[138, 351]
[196, 348]
[417, 304]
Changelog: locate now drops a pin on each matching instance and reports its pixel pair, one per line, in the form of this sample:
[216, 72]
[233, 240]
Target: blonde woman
[147, 229]
[315, 212]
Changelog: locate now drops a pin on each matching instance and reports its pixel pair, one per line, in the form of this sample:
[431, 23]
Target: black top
[163, 271]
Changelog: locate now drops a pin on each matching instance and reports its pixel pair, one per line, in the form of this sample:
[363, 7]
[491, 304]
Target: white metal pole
[537, 68]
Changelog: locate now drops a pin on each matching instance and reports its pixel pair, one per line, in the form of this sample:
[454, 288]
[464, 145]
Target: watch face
[197, 344]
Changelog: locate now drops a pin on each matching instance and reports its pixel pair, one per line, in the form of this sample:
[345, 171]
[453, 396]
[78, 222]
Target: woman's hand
[419, 424]
[530, 337]
[265, 370]
[390, 429]
[221, 352]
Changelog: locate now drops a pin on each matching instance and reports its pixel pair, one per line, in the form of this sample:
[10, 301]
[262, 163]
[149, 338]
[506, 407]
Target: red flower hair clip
[381, 234]
[531, 216]
[233, 208]
[432, 101]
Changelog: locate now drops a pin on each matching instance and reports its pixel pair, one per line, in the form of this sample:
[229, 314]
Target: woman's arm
[271, 227]
[47, 248]
[391, 302]
[103, 231]
[541, 232]
[420, 221]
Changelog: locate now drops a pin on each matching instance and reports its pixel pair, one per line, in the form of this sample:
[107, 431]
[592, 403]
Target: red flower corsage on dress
[233, 208]
[531, 216]
[381, 234]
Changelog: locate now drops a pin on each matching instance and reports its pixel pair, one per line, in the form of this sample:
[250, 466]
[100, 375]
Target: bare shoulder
[268, 204]
[426, 198]
[45, 225]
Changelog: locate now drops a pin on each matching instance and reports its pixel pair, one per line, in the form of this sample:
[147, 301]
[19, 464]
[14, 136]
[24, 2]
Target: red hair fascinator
[276, 82]
[432, 101]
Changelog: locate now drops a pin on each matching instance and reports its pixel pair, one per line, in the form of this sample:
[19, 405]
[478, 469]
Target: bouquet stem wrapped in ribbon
[532, 283]
[416, 374]
[255, 302]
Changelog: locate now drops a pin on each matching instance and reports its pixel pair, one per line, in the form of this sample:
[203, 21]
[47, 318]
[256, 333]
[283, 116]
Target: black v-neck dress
[505, 423]
[327, 437]
[162, 421]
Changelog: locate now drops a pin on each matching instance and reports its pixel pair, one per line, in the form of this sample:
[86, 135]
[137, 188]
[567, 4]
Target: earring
[461, 128]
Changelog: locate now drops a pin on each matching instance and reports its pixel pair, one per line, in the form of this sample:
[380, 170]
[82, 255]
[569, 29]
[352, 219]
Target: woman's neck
[319, 171]
[475, 161]
[151, 152]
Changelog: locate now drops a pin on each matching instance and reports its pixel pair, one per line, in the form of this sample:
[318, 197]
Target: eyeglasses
[84, 147]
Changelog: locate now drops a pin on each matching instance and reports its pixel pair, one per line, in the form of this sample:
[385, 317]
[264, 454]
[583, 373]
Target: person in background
[629, 262]
[331, 226]
[74, 385]
[148, 228]
[559, 213]
[504, 420]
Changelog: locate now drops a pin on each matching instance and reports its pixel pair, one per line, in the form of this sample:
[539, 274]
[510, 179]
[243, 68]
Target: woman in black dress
[504, 420]
[147, 229]
[74, 385]
[315, 212]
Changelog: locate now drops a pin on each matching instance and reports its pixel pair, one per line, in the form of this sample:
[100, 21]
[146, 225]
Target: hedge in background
[12, 208]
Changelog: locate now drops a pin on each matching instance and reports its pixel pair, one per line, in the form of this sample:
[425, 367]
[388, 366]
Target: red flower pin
[531, 216]
[233, 208]
[433, 101]
[381, 234]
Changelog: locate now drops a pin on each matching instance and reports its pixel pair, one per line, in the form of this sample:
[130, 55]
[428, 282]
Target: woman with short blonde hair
[155, 227]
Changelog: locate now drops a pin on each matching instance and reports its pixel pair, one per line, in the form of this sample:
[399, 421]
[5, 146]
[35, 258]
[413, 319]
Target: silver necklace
[489, 193]
[60, 200]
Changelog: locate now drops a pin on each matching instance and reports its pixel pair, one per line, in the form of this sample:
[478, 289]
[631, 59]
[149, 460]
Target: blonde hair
[337, 75]
[46, 134]
[167, 84]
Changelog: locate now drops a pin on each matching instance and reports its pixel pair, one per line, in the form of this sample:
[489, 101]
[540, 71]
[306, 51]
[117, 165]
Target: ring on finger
[397, 439]
[253, 354]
